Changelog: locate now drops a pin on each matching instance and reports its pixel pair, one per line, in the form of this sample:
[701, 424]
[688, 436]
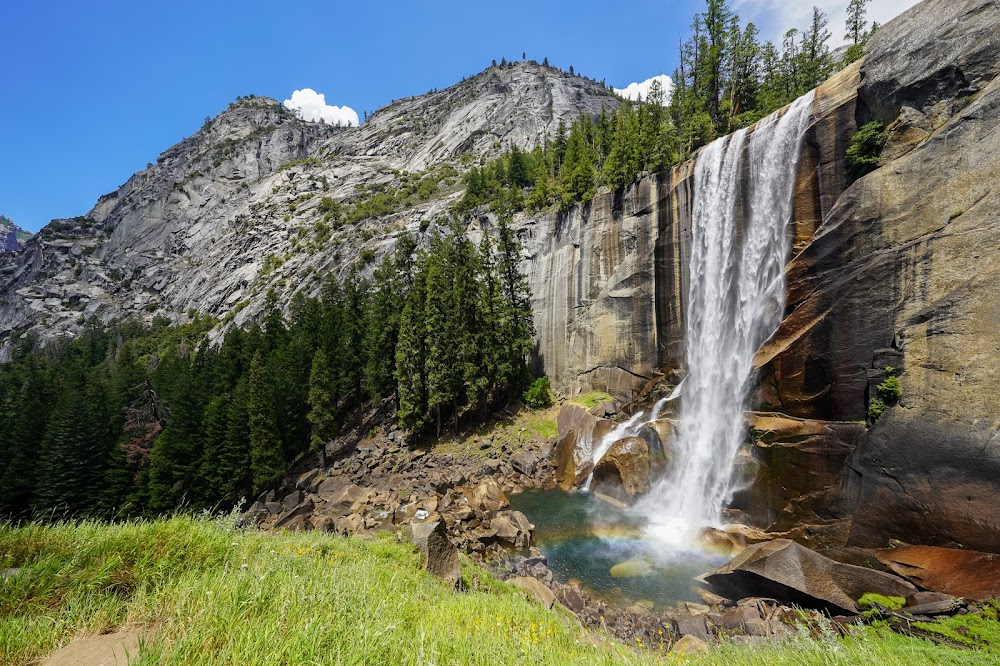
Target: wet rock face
[623, 472]
[608, 284]
[799, 470]
[901, 272]
[579, 430]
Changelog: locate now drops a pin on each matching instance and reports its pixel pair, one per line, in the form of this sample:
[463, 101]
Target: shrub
[890, 390]
[865, 149]
[876, 408]
[539, 395]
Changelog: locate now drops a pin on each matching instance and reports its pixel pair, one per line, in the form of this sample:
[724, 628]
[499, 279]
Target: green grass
[213, 595]
[590, 400]
[209, 594]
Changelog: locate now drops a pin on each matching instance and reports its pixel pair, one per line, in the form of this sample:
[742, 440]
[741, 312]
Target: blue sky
[92, 91]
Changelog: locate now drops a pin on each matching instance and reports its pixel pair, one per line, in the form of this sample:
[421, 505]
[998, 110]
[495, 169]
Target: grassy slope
[213, 595]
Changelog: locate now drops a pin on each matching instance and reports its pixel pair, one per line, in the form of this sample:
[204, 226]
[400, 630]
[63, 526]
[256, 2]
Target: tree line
[130, 419]
[727, 79]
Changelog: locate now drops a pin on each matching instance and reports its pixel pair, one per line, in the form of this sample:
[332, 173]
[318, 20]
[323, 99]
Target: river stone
[959, 573]
[632, 569]
[789, 572]
[440, 555]
[623, 472]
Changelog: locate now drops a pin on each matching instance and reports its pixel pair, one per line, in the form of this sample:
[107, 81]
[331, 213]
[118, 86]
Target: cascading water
[740, 243]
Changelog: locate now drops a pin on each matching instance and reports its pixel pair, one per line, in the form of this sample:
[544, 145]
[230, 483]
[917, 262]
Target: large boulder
[440, 554]
[536, 589]
[579, 430]
[623, 472]
[349, 499]
[789, 572]
[513, 529]
[487, 497]
[959, 573]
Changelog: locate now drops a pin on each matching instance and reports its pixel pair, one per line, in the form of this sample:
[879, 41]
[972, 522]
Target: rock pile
[380, 483]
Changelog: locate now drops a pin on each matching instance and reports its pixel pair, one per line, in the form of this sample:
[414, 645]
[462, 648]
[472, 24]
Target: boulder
[789, 572]
[486, 497]
[302, 512]
[513, 529]
[959, 573]
[524, 462]
[578, 430]
[689, 644]
[570, 598]
[440, 554]
[623, 472]
[536, 589]
[695, 625]
[348, 525]
[347, 499]
[330, 486]
[292, 500]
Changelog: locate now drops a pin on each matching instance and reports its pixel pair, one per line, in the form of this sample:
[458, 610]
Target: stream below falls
[604, 548]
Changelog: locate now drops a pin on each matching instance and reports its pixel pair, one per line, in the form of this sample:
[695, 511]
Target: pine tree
[411, 352]
[322, 406]
[518, 327]
[266, 459]
[174, 457]
[856, 22]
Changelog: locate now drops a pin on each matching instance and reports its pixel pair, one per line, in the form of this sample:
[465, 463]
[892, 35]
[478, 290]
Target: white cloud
[312, 105]
[774, 17]
[634, 90]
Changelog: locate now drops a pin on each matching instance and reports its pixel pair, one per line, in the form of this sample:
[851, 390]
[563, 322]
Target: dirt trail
[108, 650]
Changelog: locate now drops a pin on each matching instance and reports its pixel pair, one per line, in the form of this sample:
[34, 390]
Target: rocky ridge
[11, 235]
[237, 209]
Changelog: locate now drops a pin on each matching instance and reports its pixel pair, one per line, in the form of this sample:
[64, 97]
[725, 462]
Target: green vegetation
[381, 199]
[974, 630]
[214, 595]
[539, 394]
[866, 147]
[271, 263]
[889, 393]
[876, 408]
[136, 420]
[590, 400]
[871, 599]
[890, 389]
[210, 594]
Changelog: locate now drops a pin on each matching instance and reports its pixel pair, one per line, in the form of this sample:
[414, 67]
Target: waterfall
[743, 197]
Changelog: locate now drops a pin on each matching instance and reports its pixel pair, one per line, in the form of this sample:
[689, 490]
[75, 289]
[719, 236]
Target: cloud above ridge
[634, 90]
[312, 106]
